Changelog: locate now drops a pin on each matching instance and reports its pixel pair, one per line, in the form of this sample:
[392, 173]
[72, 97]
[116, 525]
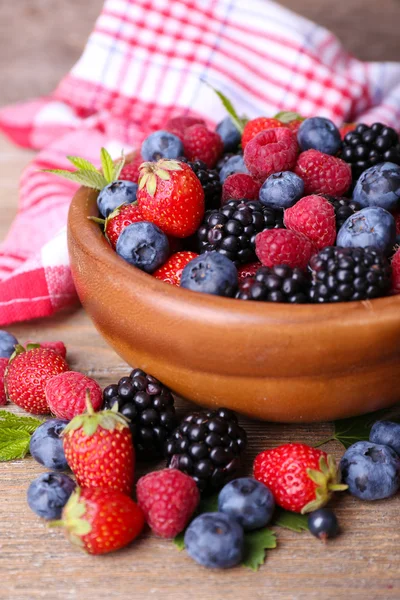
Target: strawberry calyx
[20, 349]
[150, 172]
[91, 421]
[72, 520]
[327, 480]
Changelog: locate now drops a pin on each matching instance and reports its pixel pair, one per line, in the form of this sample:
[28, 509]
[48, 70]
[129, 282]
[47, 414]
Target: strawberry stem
[89, 406]
[57, 523]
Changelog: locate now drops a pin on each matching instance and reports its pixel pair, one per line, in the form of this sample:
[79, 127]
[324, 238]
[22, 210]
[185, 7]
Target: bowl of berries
[252, 267]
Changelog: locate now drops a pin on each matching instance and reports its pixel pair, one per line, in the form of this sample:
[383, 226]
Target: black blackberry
[210, 182]
[347, 274]
[232, 229]
[367, 146]
[344, 208]
[276, 284]
[208, 446]
[149, 406]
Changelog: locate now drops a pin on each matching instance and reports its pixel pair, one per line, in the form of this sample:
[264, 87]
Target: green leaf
[237, 121]
[288, 116]
[9, 420]
[179, 541]
[291, 520]
[82, 163]
[14, 444]
[107, 165]
[255, 545]
[85, 177]
[118, 166]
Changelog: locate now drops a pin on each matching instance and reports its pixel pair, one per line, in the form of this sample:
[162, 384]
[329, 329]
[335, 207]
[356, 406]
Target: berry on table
[248, 501]
[208, 446]
[209, 180]
[364, 147]
[171, 271]
[210, 273]
[379, 186]
[215, 540]
[230, 135]
[239, 186]
[320, 134]
[371, 226]
[200, 143]
[114, 195]
[396, 272]
[143, 245]
[178, 125]
[168, 498]
[323, 173]
[371, 471]
[270, 152]
[66, 394]
[46, 444]
[120, 218]
[276, 284]
[48, 494]
[234, 164]
[284, 247]
[313, 216]
[7, 344]
[343, 207]
[281, 190]
[161, 144]
[256, 126]
[323, 524]
[386, 433]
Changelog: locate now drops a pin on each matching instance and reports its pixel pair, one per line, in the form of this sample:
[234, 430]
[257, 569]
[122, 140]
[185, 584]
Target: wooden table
[37, 562]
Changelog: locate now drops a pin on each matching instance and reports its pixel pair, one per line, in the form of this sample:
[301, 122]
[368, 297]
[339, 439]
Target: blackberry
[148, 405]
[210, 182]
[232, 229]
[367, 146]
[276, 284]
[348, 274]
[344, 208]
[208, 446]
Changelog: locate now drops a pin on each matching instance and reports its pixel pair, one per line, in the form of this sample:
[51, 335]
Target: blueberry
[115, 194]
[248, 501]
[161, 144]
[7, 343]
[379, 186]
[386, 433]
[46, 445]
[372, 471]
[372, 226]
[143, 245]
[323, 523]
[229, 133]
[215, 540]
[49, 493]
[320, 134]
[281, 190]
[235, 164]
[210, 273]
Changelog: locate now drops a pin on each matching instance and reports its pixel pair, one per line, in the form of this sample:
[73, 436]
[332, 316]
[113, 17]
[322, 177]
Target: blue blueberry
[7, 343]
[46, 445]
[323, 523]
[386, 433]
[372, 226]
[215, 540]
[372, 471]
[281, 190]
[115, 194]
[143, 245]
[210, 273]
[235, 164]
[379, 186]
[49, 493]
[320, 134]
[229, 133]
[248, 501]
[161, 144]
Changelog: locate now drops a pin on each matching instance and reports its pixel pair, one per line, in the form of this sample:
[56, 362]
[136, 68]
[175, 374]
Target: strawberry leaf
[14, 444]
[107, 165]
[255, 545]
[237, 121]
[9, 420]
[179, 541]
[82, 163]
[85, 177]
[291, 520]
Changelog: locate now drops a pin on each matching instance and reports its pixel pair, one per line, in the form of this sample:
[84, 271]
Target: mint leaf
[118, 166]
[107, 165]
[14, 444]
[9, 420]
[288, 116]
[255, 545]
[291, 520]
[237, 121]
[82, 163]
[179, 541]
[90, 179]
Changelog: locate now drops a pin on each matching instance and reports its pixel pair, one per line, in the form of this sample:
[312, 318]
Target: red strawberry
[27, 375]
[294, 125]
[199, 143]
[168, 499]
[313, 216]
[99, 450]
[171, 271]
[66, 394]
[171, 196]
[3, 367]
[130, 171]
[346, 128]
[58, 347]
[178, 125]
[120, 218]
[323, 174]
[101, 520]
[255, 126]
[300, 477]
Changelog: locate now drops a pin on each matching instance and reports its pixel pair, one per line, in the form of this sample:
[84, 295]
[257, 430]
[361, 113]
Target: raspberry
[168, 499]
[66, 394]
[323, 174]
[130, 172]
[271, 151]
[248, 270]
[178, 125]
[200, 143]
[313, 216]
[396, 272]
[239, 186]
[255, 126]
[3, 367]
[284, 247]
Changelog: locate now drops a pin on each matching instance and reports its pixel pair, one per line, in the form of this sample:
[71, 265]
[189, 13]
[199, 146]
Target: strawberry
[200, 143]
[58, 347]
[300, 477]
[3, 368]
[66, 394]
[27, 374]
[171, 196]
[255, 126]
[120, 218]
[346, 128]
[171, 271]
[101, 520]
[130, 171]
[99, 449]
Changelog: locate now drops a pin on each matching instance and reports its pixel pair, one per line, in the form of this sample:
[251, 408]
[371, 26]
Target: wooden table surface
[35, 562]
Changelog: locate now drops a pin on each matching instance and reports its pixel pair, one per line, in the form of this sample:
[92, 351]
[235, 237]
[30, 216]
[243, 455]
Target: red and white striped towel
[144, 63]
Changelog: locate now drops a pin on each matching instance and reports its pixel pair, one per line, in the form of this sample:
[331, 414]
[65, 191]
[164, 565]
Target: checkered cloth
[144, 63]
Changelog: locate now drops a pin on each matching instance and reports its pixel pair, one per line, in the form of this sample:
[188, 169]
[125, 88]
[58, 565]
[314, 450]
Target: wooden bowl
[270, 361]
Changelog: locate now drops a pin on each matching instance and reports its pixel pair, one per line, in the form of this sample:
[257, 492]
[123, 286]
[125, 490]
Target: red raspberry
[120, 218]
[323, 174]
[168, 499]
[171, 271]
[255, 126]
[3, 367]
[284, 247]
[248, 270]
[130, 172]
[58, 347]
[66, 394]
[178, 125]
[346, 128]
[396, 272]
[313, 216]
[271, 151]
[200, 143]
[239, 186]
